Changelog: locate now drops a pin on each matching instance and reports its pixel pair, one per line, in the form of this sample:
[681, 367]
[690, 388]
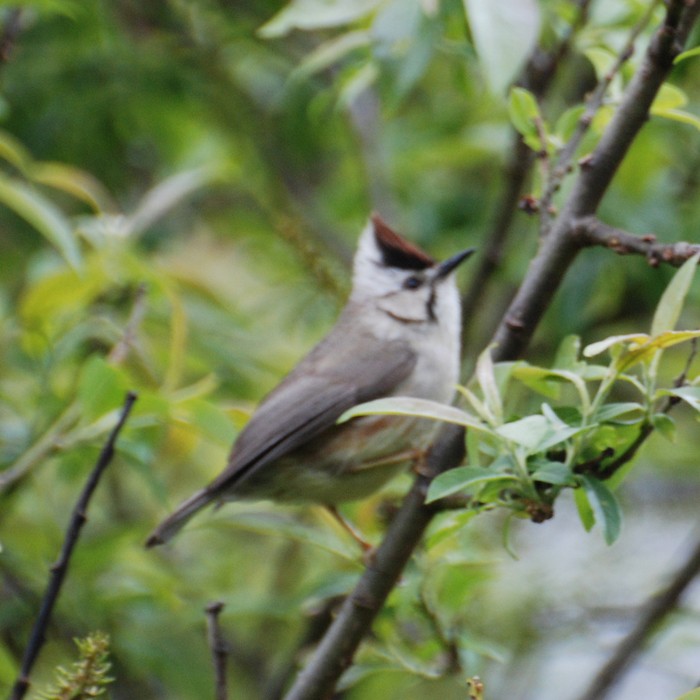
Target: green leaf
[567, 123]
[610, 411]
[465, 479]
[671, 302]
[167, 194]
[585, 512]
[689, 394]
[101, 387]
[487, 381]
[601, 346]
[537, 433]
[668, 97]
[679, 115]
[665, 425]
[690, 53]
[420, 408]
[523, 111]
[331, 52]
[605, 506]
[553, 473]
[568, 353]
[309, 15]
[504, 33]
[43, 215]
[210, 420]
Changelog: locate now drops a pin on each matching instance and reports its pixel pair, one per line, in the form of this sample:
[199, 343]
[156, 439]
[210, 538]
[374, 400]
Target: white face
[411, 296]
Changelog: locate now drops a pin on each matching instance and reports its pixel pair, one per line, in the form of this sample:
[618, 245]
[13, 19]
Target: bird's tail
[176, 521]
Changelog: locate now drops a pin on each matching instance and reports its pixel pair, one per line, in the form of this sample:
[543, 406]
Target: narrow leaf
[671, 302]
[464, 479]
[43, 215]
[420, 408]
[606, 507]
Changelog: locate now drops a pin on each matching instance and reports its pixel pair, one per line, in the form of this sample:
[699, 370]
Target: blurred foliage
[181, 184]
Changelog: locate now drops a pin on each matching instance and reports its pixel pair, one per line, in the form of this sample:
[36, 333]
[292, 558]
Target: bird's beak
[444, 268]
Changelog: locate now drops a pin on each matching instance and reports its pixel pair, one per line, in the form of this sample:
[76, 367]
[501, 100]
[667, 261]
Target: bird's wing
[311, 399]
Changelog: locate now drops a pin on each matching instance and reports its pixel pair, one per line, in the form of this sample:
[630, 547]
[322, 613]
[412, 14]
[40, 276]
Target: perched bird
[398, 335]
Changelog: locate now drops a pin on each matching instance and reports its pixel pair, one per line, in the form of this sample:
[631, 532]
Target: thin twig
[655, 610]
[592, 232]
[219, 649]
[60, 568]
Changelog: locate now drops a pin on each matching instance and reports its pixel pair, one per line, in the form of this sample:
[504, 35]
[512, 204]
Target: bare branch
[655, 610]
[219, 649]
[60, 568]
[592, 232]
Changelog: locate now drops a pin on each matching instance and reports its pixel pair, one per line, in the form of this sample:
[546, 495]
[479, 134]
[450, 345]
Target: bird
[398, 335]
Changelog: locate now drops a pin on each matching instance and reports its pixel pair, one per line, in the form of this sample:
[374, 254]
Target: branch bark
[60, 568]
[219, 649]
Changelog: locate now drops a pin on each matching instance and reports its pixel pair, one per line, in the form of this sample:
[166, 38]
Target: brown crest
[397, 251]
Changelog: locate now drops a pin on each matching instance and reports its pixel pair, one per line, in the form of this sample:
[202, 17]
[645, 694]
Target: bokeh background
[181, 188]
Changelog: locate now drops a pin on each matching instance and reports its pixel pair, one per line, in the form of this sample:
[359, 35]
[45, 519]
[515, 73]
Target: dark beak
[444, 268]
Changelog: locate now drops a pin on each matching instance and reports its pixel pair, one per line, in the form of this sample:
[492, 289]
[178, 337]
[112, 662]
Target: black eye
[412, 282]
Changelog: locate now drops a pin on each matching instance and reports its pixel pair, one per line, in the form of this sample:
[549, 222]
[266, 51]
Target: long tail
[175, 522]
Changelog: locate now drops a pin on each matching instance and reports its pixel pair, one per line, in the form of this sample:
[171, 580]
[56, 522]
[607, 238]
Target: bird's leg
[350, 529]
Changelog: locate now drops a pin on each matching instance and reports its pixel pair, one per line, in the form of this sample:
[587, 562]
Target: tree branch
[335, 652]
[560, 247]
[655, 610]
[60, 568]
[592, 232]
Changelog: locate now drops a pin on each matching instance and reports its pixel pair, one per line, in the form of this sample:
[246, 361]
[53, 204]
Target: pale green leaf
[553, 473]
[537, 433]
[689, 394]
[167, 194]
[420, 408]
[670, 305]
[602, 345]
[504, 33]
[75, 182]
[486, 377]
[331, 52]
[43, 215]
[610, 411]
[309, 15]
